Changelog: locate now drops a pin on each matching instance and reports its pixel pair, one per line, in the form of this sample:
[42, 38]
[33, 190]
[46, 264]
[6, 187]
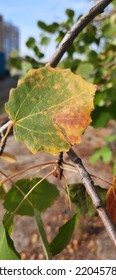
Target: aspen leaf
[64, 235]
[111, 201]
[41, 198]
[50, 109]
[82, 200]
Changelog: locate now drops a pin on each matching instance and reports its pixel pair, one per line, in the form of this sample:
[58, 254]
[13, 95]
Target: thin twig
[40, 166]
[92, 175]
[89, 185]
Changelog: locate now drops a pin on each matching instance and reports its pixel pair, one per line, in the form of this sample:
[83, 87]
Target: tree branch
[89, 185]
[76, 29]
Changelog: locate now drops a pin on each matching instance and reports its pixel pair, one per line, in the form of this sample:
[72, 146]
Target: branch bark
[76, 29]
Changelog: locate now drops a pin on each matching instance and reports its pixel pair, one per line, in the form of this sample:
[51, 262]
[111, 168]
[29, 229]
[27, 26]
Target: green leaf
[7, 249]
[109, 30]
[8, 222]
[83, 201]
[114, 168]
[114, 3]
[85, 69]
[80, 197]
[51, 28]
[50, 109]
[70, 51]
[45, 40]
[30, 43]
[42, 234]
[100, 116]
[110, 138]
[37, 52]
[2, 192]
[100, 98]
[41, 197]
[64, 235]
[26, 66]
[95, 157]
[104, 153]
[14, 54]
[70, 13]
[112, 110]
[60, 37]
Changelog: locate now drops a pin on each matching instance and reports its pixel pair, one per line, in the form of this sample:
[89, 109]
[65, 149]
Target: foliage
[105, 153]
[83, 201]
[35, 203]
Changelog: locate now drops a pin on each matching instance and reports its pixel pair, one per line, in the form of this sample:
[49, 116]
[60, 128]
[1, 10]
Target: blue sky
[25, 13]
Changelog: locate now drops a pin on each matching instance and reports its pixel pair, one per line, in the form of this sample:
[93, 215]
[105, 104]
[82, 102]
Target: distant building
[1, 34]
[9, 37]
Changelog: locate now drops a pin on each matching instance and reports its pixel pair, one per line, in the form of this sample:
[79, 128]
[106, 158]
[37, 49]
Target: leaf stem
[92, 175]
[43, 165]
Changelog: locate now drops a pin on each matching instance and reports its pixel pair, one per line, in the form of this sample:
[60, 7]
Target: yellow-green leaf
[50, 109]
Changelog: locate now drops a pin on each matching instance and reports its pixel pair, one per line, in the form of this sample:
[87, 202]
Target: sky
[25, 13]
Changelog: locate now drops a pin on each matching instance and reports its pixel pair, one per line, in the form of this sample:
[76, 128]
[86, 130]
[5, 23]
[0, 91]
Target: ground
[89, 241]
